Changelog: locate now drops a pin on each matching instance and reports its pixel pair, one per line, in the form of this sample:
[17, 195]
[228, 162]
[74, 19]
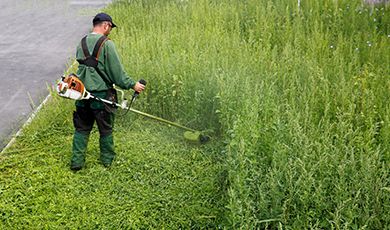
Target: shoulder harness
[92, 60]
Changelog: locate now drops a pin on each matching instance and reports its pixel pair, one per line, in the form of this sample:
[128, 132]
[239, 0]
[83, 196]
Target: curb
[29, 120]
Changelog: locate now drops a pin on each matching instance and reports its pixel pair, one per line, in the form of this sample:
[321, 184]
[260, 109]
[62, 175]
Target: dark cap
[102, 17]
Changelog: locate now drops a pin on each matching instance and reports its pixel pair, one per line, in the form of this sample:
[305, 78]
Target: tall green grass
[298, 96]
[296, 99]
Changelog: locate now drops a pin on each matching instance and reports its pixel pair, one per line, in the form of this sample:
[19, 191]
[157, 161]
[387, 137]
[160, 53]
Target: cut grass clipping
[297, 96]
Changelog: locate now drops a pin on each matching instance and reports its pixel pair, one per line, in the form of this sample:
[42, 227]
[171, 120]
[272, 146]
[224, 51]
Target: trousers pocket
[83, 120]
[113, 97]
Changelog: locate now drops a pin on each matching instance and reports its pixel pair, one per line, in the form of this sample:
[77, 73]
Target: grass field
[296, 100]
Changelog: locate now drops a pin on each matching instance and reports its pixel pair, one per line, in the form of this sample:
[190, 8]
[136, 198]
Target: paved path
[37, 41]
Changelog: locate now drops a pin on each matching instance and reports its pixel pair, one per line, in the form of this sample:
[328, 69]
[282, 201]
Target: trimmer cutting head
[196, 137]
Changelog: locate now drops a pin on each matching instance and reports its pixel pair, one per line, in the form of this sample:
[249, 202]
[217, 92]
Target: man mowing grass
[99, 68]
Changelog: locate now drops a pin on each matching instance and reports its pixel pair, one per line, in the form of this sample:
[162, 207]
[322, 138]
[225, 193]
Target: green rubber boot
[80, 142]
[107, 153]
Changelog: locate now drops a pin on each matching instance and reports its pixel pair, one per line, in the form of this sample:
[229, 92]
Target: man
[98, 74]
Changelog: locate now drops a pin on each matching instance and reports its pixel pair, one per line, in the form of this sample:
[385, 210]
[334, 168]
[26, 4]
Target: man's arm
[114, 69]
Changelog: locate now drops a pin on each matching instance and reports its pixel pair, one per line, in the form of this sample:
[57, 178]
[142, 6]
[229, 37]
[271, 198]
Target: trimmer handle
[143, 82]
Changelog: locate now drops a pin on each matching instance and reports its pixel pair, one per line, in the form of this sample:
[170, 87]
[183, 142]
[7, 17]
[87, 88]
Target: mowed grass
[296, 100]
[157, 181]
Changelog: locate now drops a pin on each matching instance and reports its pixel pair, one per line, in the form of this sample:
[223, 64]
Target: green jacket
[109, 63]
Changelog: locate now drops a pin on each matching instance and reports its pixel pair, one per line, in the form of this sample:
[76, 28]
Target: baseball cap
[103, 17]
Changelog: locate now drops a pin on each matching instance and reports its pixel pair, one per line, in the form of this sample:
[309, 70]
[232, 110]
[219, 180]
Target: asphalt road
[37, 41]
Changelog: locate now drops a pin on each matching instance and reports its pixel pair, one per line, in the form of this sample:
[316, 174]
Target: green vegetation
[297, 100]
[157, 180]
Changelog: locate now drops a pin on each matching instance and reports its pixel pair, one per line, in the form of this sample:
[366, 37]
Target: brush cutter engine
[71, 87]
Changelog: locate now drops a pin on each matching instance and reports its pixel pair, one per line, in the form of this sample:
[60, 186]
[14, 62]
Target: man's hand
[139, 87]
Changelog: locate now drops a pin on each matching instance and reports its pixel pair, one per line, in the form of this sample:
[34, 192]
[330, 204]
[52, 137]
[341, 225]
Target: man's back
[108, 64]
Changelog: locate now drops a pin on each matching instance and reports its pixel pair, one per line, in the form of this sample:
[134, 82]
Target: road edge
[28, 121]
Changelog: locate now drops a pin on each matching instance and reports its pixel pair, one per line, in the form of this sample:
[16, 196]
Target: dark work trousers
[85, 117]
[83, 120]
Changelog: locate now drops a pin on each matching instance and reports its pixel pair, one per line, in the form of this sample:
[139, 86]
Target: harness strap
[84, 46]
[92, 61]
[98, 46]
[96, 49]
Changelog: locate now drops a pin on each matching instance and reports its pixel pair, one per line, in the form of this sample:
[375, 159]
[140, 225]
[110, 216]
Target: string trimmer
[71, 87]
